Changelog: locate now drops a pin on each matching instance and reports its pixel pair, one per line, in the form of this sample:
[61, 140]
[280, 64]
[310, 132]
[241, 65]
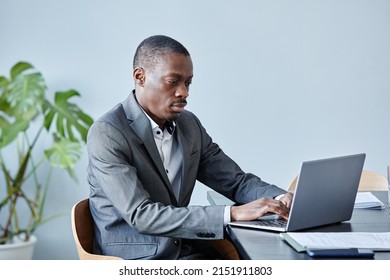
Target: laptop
[325, 194]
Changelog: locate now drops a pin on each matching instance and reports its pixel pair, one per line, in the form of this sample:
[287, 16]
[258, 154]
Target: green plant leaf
[4, 104]
[3, 85]
[3, 123]
[68, 116]
[5, 107]
[9, 133]
[19, 68]
[64, 154]
[26, 94]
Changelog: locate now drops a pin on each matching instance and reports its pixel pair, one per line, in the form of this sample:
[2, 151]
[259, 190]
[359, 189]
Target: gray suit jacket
[132, 202]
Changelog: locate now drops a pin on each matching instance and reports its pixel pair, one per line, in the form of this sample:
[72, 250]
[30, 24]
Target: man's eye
[172, 82]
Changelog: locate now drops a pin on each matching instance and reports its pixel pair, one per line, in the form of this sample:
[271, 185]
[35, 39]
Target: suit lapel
[183, 143]
[140, 124]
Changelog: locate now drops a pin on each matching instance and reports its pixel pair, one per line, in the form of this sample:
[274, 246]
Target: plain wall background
[276, 82]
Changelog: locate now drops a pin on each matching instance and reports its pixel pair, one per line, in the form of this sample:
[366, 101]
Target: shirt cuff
[279, 196]
[226, 216]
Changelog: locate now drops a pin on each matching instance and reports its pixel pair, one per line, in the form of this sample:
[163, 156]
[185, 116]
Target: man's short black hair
[150, 50]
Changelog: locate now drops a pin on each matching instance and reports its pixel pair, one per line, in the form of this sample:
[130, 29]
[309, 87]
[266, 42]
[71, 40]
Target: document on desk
[366, 200]
[300, 241]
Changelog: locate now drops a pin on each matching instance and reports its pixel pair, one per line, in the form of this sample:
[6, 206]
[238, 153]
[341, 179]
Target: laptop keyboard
[273, 223]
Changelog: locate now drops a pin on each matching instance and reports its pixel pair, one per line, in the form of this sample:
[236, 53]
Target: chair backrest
[388, 174]
[369, 181]
[373, 181]
[83, 232]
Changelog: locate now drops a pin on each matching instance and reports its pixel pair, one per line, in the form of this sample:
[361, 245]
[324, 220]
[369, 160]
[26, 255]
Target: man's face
[164, 89]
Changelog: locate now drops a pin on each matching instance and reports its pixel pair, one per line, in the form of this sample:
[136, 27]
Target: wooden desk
[257, 244]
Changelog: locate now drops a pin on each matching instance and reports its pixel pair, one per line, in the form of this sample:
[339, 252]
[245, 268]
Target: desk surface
[257, 244]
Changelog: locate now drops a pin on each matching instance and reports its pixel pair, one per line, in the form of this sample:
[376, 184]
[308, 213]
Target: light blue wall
[276, 82]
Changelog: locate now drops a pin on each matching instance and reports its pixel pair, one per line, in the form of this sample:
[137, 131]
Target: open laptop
[325, 194]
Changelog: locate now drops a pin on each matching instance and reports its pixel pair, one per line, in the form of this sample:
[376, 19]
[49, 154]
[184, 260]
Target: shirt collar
[169, 126]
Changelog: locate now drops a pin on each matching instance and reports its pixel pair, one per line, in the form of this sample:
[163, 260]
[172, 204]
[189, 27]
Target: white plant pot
[18, 249]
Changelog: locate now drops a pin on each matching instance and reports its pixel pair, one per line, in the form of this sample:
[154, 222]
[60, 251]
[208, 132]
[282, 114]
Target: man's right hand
[258, 208]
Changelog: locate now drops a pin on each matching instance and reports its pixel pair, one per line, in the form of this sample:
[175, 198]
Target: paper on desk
[377, 241]
[367, 200]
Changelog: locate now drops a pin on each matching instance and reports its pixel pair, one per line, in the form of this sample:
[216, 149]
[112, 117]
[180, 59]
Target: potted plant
[35, 133]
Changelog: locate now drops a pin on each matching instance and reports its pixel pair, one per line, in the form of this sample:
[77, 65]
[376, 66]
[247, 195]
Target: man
[145, 157]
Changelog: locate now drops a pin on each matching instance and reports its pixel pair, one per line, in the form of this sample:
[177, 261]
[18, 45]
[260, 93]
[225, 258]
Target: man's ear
[139, 76]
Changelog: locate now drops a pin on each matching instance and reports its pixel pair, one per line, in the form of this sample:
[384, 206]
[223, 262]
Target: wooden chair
[226, 249]
[369, 181]
[83, 232]
[388, 174]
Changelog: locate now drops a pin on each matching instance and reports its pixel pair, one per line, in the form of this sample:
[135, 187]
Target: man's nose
[182, 92]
